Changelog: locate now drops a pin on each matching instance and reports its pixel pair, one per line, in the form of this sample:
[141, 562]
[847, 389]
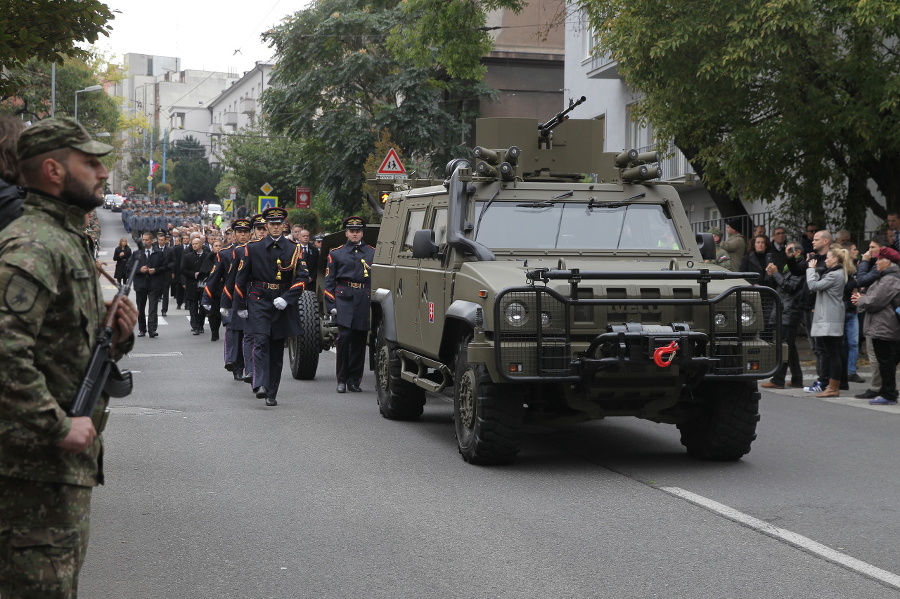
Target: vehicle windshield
[565, 225]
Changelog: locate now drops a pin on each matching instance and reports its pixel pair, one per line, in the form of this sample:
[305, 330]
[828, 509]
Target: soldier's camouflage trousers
[44, 530]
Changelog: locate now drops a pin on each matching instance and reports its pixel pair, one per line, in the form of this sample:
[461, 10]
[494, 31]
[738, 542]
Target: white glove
[225, 312]
[206, 307]
[243, 314]
[279, 303]
[333, 311]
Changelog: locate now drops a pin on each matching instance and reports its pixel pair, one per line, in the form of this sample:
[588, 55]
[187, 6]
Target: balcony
[248, 106]
[602, 66]
[230, 119]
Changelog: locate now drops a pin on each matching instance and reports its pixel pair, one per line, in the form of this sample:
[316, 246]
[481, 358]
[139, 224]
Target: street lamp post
[92, 88]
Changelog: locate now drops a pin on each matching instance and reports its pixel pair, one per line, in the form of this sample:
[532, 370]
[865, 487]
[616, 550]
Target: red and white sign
[303, 197]
[391, 167]
[431, 312]
[131, 188]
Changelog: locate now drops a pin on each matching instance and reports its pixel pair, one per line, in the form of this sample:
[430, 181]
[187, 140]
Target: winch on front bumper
[541, 335]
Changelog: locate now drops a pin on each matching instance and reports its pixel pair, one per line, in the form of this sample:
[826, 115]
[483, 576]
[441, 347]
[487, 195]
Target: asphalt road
[210, 494]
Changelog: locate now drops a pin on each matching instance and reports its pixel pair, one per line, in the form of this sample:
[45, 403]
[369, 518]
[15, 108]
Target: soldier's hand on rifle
[279, 303]
[80, 436]
[243, 314]
[126, 317]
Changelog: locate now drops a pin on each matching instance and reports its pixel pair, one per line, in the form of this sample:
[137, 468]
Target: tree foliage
[338, 85]
[255, 157]
[193, 179]
[47, 32]
[796, 99]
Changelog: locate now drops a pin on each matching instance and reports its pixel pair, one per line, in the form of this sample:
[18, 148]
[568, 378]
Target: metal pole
[53, 90]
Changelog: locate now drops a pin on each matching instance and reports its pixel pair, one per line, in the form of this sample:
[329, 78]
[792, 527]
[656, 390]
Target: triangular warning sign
[391, 165]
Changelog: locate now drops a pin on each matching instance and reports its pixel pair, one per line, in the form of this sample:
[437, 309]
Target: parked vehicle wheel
[488, 416]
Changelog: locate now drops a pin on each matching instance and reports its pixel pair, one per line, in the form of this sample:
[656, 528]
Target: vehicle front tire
[303, 350]
[726, 426]
[397, 399]
[487, 416]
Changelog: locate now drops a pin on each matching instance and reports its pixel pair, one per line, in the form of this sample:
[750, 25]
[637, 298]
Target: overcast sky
[205, 35]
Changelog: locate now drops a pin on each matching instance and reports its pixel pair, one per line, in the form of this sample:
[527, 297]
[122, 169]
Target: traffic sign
[391, 167]
[131, 188]
[267, 202]
[266, 188]
[233, 189]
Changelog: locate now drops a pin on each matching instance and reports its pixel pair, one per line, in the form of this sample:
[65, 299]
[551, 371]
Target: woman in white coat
[828, 314]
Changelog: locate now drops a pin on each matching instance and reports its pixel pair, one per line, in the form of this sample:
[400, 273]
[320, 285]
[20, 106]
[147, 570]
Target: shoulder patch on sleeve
[20, 294]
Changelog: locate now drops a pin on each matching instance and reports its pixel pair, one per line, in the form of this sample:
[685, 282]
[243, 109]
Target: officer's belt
[346, 283]
[267, 285]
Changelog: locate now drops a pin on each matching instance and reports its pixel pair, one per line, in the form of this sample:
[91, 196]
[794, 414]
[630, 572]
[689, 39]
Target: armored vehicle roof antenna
[546, 129]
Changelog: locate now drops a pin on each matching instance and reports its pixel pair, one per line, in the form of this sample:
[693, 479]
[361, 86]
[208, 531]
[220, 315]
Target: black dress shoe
[163, 314]
[855, 378]
[195, 332]
[270, 401]
[154, 334]
[141, 334]
[342, 388]
[353, 387]
[237, 376]
[229, 366]
[260, 392]
[214, 337]
[867, 394]
[248, 378]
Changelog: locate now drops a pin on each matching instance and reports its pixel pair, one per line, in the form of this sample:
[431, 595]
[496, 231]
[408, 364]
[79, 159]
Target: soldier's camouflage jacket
[51, 311]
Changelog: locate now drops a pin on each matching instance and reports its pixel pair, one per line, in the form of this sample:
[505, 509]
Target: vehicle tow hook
[663, 356]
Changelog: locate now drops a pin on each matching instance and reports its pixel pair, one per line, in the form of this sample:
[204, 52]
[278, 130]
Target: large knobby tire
[304, 349]
[397, 399]
[727, 426]
[487, 416]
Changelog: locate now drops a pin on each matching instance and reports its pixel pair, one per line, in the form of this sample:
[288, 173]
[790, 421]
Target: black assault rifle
[102, 372]
[559, 119]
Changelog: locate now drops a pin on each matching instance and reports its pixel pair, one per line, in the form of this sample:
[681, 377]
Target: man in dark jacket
[150, 282]
[192, 276]
[790, 290]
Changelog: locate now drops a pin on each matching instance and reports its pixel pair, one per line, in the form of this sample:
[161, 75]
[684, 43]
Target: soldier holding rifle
[51, 313]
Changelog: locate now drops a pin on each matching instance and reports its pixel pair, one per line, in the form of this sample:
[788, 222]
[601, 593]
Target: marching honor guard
[347, 294]
[270, 277]
[234, 324]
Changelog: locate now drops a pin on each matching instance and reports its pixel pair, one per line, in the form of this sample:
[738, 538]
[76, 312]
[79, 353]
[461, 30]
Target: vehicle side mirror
[423, 244]
[707, 246]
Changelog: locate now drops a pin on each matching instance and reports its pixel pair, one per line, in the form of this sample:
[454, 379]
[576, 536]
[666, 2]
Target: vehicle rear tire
[303, 350]
[727, 426]
[397, 399]
[488, 417]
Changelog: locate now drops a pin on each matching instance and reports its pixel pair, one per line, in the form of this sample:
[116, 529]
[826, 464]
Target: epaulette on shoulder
[337, 248]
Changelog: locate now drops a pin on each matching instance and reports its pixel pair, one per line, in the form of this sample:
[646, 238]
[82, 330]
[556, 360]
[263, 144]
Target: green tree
[254, 157]
[769, 99]
[47, 32]
[338, 85]
[192, 178]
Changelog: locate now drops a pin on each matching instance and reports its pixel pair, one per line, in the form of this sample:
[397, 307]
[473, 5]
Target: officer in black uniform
[225, 272]
[271, 276]
[347, 289]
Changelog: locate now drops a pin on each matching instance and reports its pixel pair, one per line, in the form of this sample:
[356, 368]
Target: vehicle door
[434, 284]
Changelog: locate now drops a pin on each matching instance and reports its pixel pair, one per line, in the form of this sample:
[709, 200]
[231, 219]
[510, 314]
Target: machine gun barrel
[560, 117]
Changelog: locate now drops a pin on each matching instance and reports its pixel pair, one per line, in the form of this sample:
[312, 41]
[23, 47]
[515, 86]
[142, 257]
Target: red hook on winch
[664, 355]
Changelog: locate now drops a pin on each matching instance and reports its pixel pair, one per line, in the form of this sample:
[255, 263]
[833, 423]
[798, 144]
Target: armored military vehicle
[546, 281]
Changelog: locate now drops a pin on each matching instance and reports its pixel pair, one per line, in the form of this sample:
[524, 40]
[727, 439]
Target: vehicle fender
[385, 300]
[463, 310]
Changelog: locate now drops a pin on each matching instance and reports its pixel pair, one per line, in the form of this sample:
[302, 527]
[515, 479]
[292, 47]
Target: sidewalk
[808, 364]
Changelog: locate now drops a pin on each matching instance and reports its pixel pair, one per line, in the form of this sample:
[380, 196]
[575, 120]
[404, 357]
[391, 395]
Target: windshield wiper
[483, 210]
[621, 203]
[546, 203]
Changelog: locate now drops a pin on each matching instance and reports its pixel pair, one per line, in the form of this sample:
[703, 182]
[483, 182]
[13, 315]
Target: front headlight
[516, 314]
[748, 314]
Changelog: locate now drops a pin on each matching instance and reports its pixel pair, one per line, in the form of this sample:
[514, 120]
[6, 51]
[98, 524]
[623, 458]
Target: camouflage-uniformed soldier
[51, 311]
[271, 276]
[347, 289]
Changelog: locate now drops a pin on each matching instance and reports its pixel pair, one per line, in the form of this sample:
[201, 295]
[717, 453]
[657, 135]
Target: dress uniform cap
[354, 223]
[274, 215]
[241, 224]
[56, 133]
[257, 220]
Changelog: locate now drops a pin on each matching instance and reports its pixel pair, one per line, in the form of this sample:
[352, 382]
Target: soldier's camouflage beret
[56, 133]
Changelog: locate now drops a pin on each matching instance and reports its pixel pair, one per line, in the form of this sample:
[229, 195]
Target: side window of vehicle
[440, 226]
[415, 221]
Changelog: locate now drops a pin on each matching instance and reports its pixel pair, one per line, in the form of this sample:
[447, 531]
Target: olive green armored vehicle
[546, 281]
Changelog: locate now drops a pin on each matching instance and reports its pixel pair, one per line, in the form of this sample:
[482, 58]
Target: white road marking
[788, 537]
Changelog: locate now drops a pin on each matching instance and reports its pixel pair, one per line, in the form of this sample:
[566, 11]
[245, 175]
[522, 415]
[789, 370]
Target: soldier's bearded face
[79, 194]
